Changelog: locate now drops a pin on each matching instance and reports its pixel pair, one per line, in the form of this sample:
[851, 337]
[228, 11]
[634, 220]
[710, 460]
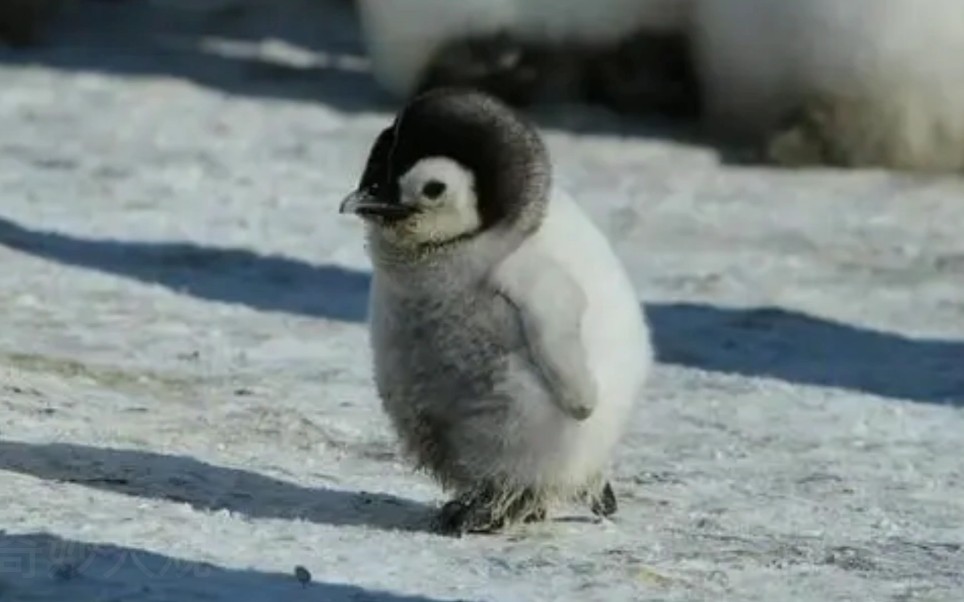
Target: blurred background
[816, 83]
[318, 50]
[308, 49]
[339, 54]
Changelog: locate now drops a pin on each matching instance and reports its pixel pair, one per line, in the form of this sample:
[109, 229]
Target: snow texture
[186, 406]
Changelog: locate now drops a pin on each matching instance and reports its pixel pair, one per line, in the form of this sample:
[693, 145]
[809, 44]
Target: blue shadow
[798, 348]
[45, 568]
[760, 342]
[174, 39]
[262, 282]
[207, 487]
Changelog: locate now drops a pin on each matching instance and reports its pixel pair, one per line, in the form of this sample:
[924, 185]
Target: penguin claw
[536, 516]
[449, 517]
[477, 514]
[604, 503]
[459, 517]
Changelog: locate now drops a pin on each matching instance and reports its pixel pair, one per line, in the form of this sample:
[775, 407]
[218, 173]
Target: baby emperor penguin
[508, 343]
[528, 51]
[850, 83]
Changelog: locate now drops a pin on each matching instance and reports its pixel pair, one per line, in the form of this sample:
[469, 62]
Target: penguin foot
[803, 137]
[831, 131]
[604, 503]
[459, 517]
[482, 512]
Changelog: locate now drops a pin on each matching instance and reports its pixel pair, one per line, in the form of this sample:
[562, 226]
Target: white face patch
[444, 192]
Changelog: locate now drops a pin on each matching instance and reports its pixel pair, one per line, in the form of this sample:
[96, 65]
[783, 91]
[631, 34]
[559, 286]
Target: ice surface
[186, 411]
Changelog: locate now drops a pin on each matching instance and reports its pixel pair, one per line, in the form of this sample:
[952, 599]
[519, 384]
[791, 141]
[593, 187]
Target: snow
[186, 408]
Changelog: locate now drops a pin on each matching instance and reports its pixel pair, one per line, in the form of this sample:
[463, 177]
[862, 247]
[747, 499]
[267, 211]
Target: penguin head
[452, 165]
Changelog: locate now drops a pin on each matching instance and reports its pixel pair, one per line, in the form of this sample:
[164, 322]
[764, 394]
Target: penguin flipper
[550, 306]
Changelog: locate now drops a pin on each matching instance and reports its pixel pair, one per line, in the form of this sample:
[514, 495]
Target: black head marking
[375, 178]
[505, 153]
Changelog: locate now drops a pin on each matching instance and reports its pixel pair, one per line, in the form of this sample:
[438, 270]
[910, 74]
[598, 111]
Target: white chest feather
[569, 267]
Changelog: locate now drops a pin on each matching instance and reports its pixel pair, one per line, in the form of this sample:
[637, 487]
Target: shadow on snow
[47, 568]
[760, 342]
[208, 487]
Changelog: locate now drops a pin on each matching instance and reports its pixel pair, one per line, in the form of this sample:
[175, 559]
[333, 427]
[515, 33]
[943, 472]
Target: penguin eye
[433, 189]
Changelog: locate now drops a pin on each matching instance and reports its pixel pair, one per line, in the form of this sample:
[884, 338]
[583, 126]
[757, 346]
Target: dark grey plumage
[647, 73]
[499, 64]
[22, 22]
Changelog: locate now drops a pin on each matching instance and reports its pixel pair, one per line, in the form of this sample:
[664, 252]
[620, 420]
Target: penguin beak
[366, 204]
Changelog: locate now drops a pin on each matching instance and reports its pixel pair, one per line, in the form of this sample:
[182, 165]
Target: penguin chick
[403, 39]
[508, 343]
[503, 65]
[648, 73]
[497, 64]
[855, 83]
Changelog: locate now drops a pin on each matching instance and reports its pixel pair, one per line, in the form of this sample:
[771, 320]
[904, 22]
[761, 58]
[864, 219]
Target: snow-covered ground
[186, 410]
